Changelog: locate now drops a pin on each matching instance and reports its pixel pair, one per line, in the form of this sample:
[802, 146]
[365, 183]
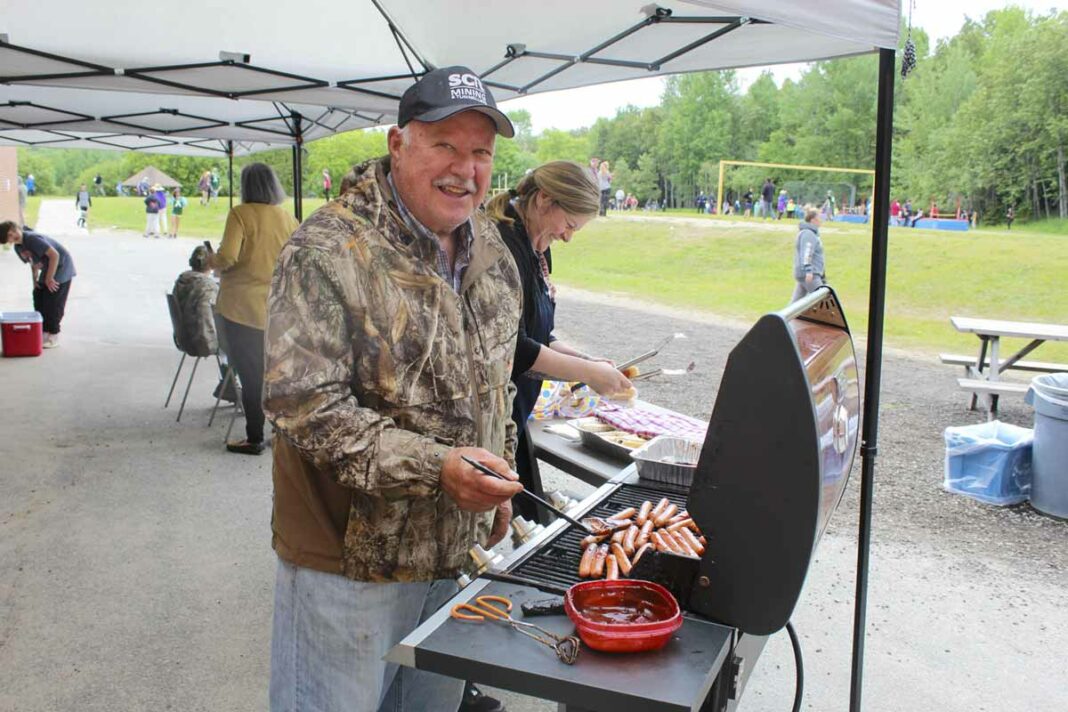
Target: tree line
[981, 123]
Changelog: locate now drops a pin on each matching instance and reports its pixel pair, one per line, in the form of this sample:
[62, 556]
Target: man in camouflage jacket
[392, 324]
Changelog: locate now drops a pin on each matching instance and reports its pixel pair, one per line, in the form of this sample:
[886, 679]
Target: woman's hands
[606, 379]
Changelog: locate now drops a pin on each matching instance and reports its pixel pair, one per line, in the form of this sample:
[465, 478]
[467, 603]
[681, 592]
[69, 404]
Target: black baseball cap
[442, 92]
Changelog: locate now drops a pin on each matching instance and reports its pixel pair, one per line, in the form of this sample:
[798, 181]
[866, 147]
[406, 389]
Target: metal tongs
[642, 357]
[665, 372]
[566, 647]
[591, 525]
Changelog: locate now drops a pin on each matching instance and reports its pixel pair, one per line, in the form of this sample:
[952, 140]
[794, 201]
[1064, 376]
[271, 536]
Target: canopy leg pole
[873, 367]
[230, 158]
[298, 169]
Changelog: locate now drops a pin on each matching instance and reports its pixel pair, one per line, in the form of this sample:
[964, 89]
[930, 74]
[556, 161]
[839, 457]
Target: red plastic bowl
[602, 612]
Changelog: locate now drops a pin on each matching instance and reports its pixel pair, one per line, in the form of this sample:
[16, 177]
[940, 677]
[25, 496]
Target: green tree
[557, 145]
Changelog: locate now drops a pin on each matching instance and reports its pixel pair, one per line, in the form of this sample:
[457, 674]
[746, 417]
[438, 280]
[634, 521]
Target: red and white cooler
[20, 333]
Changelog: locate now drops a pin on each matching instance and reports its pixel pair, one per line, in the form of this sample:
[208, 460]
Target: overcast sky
[581, 107]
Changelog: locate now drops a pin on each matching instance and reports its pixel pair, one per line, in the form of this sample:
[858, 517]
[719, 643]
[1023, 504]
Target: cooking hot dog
[621, 559]
[644, 534]
[597, 570]
[681, 545]
[660, 543]
[680, 524]
[594, 539]
[617, 537]
[629, 540]
[667, 513]
[586, 563]
[624, 515]
[692, 540]
[659, 508]
[643, 513]
[638, 554]
[611, 568]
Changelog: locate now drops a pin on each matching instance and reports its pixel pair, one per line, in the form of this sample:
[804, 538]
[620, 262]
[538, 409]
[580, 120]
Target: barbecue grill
[773, 467]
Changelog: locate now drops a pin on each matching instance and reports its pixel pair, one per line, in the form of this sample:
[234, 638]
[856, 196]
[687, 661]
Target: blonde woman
[550, 204]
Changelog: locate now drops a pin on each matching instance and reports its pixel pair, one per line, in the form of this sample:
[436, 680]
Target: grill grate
[557, 562]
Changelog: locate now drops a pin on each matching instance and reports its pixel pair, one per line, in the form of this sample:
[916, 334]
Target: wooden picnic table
[984, 376]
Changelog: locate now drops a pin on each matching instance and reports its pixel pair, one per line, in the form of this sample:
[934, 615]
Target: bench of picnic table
[1035, 366]
[975, 385]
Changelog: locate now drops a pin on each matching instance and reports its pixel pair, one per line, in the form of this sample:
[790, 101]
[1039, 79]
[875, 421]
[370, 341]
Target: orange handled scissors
[485, 608]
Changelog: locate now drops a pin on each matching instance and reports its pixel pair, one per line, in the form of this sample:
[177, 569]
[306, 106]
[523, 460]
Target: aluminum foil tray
[669, 459]
[602, 437]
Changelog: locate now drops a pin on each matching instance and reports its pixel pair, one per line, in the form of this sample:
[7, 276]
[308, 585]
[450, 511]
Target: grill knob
[560, 500]
[522, 530]
[462, 580]
[483, 559]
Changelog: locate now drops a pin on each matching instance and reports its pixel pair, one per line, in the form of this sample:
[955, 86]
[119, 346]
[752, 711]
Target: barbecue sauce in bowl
[623, 615]
[623, 607]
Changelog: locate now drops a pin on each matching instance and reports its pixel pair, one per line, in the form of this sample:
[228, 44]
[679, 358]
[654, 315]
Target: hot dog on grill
[692, 540]
[624, 515]
[597, 570]
[621, 557]
[629, 540]
[659, 508]
[644, 534]
[643, 513]
[666, 514]
[611, 568]
[586, 563]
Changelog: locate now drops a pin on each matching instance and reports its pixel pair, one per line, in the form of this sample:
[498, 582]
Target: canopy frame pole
[298, 168]
[873, 367]
[399, 37]
[230, 169]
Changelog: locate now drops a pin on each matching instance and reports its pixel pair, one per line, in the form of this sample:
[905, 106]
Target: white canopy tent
[78, 74]
[241, 76]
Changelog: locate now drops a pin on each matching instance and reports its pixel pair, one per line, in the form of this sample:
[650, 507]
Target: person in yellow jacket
[255, 232]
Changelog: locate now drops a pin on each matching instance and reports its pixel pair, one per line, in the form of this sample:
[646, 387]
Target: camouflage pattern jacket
[195, 292]
[375, 367]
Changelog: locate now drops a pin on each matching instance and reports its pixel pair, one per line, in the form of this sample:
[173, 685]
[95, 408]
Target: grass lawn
[198, 221]
[745, 271]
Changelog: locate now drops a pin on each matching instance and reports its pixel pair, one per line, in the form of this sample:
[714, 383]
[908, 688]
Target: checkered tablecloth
[649, 422]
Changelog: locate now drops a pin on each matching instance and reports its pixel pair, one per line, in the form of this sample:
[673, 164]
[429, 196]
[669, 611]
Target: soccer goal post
[786, 166]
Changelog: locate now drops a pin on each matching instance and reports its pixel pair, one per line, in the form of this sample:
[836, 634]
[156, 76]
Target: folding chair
[230, 377]
[180, 343]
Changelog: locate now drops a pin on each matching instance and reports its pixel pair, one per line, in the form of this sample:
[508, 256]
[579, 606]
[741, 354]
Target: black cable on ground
[796, 644]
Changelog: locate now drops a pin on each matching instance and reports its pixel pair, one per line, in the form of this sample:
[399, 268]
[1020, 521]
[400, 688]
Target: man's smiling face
[442, 169]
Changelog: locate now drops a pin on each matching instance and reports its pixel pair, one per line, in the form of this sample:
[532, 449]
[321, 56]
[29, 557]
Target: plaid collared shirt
[453, 274]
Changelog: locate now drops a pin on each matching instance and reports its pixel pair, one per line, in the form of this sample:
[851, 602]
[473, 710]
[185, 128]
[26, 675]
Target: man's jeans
[330, 634]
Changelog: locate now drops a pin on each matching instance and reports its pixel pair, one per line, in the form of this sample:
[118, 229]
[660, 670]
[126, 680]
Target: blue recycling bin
[989, 462]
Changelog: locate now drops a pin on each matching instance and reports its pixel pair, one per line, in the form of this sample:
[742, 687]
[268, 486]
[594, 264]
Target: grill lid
[775, 462]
